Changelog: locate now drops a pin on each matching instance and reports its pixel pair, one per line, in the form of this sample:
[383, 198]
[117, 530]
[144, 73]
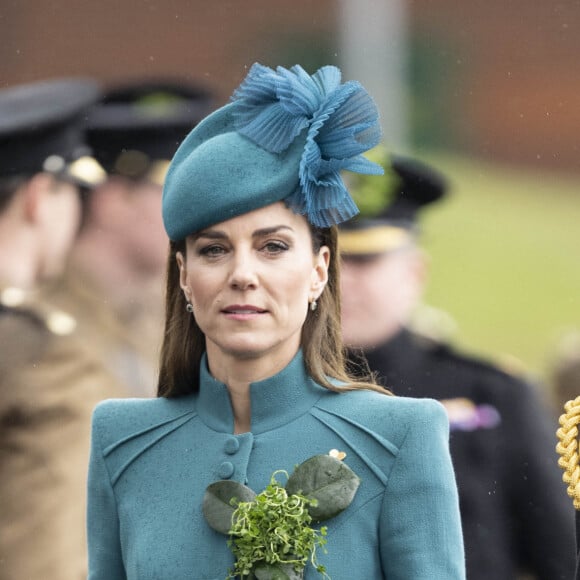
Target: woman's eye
[212, 251]
[275, 247]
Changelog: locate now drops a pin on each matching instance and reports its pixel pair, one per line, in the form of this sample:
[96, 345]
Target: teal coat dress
[152, 459]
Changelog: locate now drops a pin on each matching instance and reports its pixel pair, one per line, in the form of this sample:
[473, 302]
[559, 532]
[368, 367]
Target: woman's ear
[320, 271]
[180, 259]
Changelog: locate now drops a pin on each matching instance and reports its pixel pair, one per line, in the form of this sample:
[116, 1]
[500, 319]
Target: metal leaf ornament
[217, 506]
[270, 533]
[328, 481]
[277, 572]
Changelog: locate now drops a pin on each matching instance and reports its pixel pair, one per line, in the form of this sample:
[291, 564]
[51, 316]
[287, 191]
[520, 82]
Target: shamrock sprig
[270, 533]
[274, 529]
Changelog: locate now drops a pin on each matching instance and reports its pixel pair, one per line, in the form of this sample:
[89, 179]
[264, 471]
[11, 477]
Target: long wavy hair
[321, 338]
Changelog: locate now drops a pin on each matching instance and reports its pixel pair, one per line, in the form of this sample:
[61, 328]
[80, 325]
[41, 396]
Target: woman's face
[250, 280]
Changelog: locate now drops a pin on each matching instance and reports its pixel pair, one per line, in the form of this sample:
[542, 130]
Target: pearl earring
[189, 307]
[313, 305]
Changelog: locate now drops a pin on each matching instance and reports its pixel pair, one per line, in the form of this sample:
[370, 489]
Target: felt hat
[135, 129]
[41, 130]
[390, 205]
[285, 135]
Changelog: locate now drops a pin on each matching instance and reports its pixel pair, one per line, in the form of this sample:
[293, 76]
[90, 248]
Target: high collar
[275, 401]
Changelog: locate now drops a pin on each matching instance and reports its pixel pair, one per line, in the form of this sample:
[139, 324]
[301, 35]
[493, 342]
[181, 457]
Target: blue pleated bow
[340, 122]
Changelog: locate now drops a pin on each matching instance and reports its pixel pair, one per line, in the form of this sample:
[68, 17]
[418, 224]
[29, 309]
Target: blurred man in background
[516, 518]
[114, 285]
[48, 383]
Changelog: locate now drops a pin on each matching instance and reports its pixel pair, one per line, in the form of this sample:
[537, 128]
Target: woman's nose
[243, 275]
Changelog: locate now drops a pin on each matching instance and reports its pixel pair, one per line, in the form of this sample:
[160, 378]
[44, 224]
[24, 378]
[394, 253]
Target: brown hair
[321, 341]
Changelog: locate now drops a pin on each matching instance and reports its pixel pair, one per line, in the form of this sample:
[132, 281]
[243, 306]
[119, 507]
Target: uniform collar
[33, 304]
[393, 350]
[275, 401]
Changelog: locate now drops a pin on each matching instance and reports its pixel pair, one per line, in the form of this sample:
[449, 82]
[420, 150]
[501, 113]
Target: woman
[252, 377]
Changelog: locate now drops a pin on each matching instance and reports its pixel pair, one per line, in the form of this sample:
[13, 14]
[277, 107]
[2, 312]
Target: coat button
[232, 446]
[226, 470]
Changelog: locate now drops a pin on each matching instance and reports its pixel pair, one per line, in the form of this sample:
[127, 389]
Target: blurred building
[493, 79]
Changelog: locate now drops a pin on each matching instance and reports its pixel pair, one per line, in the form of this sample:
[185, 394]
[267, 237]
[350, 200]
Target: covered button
[226, 470]
[232, 446]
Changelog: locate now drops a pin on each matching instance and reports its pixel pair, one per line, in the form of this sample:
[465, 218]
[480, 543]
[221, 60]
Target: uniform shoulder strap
[567, 448]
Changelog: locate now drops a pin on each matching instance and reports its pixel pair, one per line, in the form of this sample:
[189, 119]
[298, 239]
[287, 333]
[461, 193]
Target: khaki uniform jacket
[126, 338]
[49, 385]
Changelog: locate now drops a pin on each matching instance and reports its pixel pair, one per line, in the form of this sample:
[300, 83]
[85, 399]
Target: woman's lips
[243, 311]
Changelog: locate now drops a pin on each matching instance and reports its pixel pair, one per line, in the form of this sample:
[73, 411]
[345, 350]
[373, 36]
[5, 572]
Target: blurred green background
[505, 258]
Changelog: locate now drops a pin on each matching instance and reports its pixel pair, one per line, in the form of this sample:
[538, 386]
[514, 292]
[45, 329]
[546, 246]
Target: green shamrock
[270, 533]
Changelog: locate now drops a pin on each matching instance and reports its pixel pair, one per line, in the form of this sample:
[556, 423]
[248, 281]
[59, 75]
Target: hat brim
[373, 240]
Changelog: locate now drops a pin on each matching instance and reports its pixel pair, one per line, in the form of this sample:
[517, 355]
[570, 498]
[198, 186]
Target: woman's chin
[252, 349]
[246, 349]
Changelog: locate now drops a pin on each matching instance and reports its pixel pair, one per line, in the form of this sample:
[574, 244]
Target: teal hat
[286, 136]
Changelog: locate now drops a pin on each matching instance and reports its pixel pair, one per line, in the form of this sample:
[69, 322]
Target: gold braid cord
[567, 447]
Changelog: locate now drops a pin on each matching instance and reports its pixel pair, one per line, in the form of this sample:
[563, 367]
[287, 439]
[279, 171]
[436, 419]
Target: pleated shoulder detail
[376, 425]
[129, 427]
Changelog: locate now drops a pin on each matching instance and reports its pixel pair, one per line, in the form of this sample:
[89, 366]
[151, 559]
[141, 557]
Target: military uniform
[48, 383]
[48, 388]
[515, 513]
[125, 337]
